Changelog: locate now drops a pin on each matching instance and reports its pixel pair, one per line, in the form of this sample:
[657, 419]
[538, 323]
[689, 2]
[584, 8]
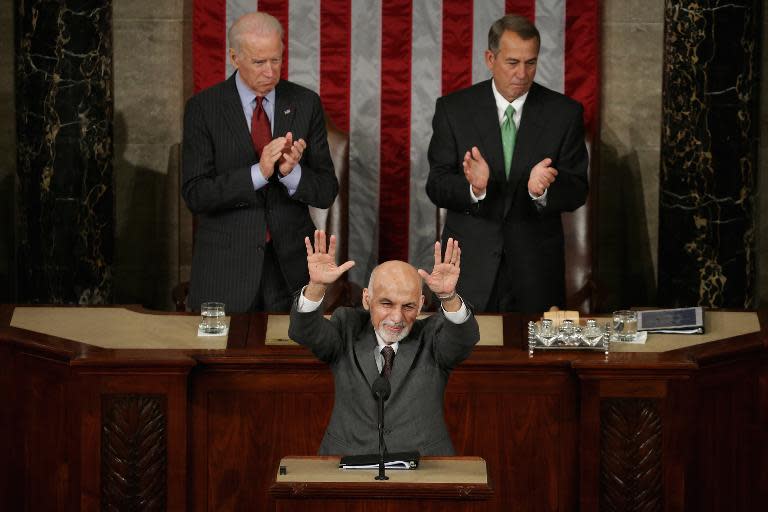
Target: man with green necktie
[507, 157]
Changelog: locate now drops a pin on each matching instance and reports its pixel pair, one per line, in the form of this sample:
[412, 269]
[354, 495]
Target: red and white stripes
[379, 66]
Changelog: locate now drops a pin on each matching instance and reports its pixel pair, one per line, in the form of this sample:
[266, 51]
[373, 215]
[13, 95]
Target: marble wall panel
[7, 154]
[150, 10]
[632, 11]
[632, 35]
[645, 11]
[762, 243]
[709, 155]
[153, 79]
[64, 152]
[185, 216]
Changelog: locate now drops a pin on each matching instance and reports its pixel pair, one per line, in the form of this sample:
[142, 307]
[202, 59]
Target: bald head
[394, 299]
[253, 23]
[398, 270]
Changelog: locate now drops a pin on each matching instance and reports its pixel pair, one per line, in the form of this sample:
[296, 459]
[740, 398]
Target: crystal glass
[212, 318]
[625, 325]
[592, 333]
[569, 333]
[547, 334]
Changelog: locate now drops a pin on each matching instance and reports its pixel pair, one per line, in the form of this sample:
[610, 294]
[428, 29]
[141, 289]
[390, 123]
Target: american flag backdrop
[379, 66]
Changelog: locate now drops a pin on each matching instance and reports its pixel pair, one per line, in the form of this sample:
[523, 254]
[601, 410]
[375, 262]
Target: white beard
[388, 337]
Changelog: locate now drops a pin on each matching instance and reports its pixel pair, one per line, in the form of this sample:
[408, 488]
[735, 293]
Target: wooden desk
[203, 429]
[440, 483]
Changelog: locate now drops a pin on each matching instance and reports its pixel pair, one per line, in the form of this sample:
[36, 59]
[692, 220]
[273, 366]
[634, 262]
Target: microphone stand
[381, 389]
[381, 475]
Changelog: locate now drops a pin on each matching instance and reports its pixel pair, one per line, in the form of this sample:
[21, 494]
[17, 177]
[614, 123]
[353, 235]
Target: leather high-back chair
[335, 220]
[580, 288]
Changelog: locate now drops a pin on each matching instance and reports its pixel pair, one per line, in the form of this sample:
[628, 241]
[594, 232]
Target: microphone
[381, 390]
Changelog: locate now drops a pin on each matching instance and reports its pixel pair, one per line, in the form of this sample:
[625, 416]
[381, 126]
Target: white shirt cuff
[477, 199]
[307, 306]
[540, 201]
[457, 317]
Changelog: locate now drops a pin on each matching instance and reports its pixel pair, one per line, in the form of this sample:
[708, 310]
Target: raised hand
[291, 154]
[445, 274]
[322, 263]
[542, 176]
[476, 171]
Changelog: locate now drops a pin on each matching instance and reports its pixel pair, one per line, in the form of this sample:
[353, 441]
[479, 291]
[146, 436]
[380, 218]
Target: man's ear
[232, 58]
[421, 305]
[489, 58]
[366, 300]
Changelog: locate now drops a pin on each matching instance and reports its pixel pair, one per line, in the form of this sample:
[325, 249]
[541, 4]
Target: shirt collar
[247, 96]
[502, 103]
[382, 344]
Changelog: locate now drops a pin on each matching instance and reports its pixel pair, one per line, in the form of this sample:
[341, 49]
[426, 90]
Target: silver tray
[543, 335]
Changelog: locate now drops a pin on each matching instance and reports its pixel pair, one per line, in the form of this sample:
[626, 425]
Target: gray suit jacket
[507, 222]
[413, 414]
[232, 216]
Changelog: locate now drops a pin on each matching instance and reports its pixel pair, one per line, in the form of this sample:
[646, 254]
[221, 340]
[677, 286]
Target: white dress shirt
[501, 111]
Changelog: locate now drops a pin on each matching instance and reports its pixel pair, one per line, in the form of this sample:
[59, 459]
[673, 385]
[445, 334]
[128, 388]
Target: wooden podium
[124, 408]
[317, 484]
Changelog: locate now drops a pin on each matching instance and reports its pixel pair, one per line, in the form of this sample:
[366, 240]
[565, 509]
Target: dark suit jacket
[413, 415]
[232, 216]
[507, 219]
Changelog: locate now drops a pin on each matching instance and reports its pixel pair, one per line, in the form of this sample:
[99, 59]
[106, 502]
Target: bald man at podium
[386, 338]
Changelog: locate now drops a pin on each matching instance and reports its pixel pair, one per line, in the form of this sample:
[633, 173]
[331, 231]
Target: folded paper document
[677, 320]
[402, 460]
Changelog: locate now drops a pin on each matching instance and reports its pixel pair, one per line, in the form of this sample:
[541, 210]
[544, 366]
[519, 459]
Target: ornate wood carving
[630, 456]
[133, 453]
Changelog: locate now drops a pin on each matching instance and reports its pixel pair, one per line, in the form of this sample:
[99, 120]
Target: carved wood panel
[133, 453]
[630, 456]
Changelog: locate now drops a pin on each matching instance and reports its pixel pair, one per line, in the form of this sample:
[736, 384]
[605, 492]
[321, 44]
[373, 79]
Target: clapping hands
[291, 155]
[283, 151]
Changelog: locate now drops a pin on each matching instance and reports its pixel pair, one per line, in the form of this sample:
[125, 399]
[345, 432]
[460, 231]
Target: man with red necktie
[255, 156]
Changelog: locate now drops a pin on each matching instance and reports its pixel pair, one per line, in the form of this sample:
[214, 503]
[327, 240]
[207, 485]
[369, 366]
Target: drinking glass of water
[625, 325]
[212, 318]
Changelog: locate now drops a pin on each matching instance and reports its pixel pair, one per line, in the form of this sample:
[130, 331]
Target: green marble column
[64, 151]
[708, 191]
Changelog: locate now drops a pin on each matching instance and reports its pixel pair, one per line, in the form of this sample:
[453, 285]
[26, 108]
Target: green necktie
[508, 134]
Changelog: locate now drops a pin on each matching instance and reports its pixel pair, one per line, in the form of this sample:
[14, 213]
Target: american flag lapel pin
[287, 111]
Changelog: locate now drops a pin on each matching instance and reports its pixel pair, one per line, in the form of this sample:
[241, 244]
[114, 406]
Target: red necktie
[261, 134]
